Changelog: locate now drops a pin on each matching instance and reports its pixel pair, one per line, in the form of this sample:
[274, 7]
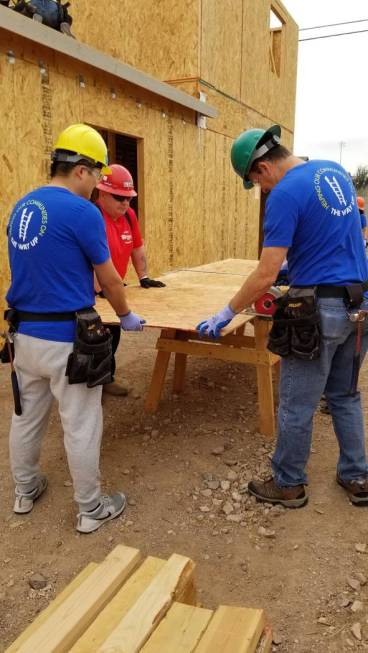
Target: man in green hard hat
[311, 219]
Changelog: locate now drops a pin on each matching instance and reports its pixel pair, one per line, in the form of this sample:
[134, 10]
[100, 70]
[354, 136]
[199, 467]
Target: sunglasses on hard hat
[120, 198]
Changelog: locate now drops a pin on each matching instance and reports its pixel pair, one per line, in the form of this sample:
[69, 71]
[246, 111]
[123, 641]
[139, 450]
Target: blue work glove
[131, 322]
[213, 325]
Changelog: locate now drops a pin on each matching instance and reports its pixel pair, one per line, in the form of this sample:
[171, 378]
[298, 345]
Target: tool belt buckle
[358, 316]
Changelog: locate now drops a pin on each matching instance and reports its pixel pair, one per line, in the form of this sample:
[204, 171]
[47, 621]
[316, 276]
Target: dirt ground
[307, 568]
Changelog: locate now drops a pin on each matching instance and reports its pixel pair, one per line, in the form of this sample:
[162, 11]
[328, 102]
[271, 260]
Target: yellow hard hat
[83, 142]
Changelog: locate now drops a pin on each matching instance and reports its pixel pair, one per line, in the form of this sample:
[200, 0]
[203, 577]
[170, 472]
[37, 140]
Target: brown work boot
[116, 389]
[269, 492]
[357, 491]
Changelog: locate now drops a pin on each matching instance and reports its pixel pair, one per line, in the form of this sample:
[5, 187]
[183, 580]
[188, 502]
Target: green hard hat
[251, 145]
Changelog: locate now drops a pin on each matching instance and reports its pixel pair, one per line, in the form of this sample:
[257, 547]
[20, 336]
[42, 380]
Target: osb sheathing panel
[221, 44]
[195, 208]
[224, 43]
[262, 89]
[160, 37]
[22, 145]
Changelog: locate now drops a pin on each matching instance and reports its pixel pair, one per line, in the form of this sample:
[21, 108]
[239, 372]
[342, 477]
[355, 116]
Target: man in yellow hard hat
[56, 240]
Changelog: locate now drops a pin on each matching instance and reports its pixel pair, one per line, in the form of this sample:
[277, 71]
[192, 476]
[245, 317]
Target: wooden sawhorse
[236, 347]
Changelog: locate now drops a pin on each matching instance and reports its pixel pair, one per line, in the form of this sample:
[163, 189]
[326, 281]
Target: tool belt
[14, 317]
[296, 325]
[91, 359]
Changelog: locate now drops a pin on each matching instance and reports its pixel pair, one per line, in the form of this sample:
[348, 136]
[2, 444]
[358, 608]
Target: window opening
[123, 150]
[276, 27]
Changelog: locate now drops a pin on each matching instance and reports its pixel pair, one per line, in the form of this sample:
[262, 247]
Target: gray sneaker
[24, 501]
[108, 508]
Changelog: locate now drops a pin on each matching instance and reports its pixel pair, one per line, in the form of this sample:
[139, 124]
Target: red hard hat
[361, 203]
[120, 182]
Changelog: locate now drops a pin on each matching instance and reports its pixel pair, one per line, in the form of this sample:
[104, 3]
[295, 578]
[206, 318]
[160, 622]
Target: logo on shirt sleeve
[28, 224]
[334, 191]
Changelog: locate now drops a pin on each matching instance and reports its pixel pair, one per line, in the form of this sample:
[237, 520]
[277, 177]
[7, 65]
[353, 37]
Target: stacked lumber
[126, 605]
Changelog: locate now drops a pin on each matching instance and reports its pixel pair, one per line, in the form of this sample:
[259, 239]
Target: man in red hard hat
[115, 192]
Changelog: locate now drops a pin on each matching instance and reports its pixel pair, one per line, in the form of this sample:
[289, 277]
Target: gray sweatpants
[40, 366]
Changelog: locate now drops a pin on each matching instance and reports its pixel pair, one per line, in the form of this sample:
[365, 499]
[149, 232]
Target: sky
[332, 88]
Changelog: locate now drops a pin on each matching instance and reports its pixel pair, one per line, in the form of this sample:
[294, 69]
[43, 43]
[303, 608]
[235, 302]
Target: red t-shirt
[122, 238]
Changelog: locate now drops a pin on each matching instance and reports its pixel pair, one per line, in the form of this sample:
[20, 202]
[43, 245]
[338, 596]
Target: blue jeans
[301, 385]
[50, 11]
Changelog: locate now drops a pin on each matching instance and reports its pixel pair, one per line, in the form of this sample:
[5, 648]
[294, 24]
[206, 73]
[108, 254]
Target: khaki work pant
[40, 366]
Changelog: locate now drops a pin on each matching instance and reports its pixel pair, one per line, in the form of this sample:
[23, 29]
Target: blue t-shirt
[313, 212]
[54, 238]
[363, 220]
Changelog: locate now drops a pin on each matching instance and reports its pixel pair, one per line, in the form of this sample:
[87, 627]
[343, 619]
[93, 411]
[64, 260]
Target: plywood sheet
[232, 266]
[190, 296]
[221, 44]
[161, 38]
[188, 245]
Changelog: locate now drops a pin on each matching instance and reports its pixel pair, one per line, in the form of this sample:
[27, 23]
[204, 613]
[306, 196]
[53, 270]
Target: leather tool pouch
[296, 325]
[355, 295]
[4, 352]
[91, 359]
[10, 315]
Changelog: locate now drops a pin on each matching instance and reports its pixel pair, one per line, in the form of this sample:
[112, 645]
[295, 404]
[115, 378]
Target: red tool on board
[265, 305]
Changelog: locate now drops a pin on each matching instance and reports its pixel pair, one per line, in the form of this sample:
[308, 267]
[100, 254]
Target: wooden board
[233, 630]
[180, 631]
[118, 607]
[70, 619]
[154, 611]
[140, 621]
[190, 296]
[47, 612]
[265, 643]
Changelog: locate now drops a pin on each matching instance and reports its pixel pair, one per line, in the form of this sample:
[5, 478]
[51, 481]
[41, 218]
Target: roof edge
[41, 34]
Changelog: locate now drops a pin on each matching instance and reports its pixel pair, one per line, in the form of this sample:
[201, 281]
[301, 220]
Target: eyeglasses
[120, 198]
[96, 172]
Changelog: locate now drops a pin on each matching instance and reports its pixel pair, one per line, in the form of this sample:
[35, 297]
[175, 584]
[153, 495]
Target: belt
[331, 291]
[339, 291]
[28, 316]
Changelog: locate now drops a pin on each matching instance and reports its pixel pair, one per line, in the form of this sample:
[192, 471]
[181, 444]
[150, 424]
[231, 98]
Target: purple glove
[213, 325]
[131, 322]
